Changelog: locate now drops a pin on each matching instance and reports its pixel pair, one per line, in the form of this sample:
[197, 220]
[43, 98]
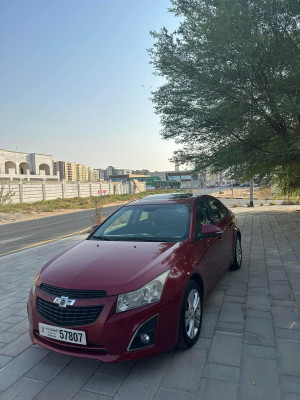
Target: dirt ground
[8, 218]
[244, 193]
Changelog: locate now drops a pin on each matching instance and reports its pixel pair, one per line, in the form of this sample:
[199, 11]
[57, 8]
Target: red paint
[123, 266]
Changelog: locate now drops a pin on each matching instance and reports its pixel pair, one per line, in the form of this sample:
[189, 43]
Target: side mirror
[209, 231]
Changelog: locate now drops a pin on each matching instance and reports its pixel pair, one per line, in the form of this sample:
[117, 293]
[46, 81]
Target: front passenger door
[207, 253]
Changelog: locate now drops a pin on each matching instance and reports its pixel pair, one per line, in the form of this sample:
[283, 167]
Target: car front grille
[73, 293]
[69, 316]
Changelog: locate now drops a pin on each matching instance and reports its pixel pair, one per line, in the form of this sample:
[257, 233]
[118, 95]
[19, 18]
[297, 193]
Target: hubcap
[238, 252]
[192, 313]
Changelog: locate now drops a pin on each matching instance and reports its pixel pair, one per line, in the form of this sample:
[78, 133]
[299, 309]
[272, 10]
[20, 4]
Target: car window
[169, 223]
[203, 216]
[217, 211]
[120, 222]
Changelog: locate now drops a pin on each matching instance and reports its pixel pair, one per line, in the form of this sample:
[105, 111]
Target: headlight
[147, 294]
[34, 282]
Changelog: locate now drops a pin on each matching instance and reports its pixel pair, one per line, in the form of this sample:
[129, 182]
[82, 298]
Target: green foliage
[6, 194]
[231, 95]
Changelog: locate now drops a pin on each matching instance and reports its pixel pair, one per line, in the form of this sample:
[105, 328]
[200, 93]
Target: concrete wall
[29, 192]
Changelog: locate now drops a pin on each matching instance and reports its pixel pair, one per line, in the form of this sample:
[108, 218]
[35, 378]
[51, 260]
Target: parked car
[137, 284]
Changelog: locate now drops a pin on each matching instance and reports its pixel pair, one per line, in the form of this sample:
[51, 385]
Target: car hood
[114, 266]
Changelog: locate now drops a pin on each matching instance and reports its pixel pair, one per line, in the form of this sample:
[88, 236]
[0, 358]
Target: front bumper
[109, 337]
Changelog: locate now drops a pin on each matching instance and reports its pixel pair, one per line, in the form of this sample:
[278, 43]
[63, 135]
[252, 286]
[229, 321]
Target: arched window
[10, 168]
[44, 169]
[24, 168]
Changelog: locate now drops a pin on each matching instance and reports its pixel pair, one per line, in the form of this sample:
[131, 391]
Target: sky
[75, 81]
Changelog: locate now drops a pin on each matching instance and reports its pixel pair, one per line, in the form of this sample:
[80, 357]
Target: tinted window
[217, 209]
[203, 216]
[161, 222]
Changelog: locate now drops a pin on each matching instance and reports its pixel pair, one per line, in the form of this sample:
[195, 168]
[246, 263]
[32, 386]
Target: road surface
[24, 234]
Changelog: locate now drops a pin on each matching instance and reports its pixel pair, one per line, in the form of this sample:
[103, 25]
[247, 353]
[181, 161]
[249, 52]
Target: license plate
[62, 334]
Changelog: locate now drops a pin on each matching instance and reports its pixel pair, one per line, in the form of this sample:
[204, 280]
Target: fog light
[145, 338]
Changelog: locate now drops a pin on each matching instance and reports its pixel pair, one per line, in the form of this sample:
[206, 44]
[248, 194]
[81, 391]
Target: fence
[29, 192]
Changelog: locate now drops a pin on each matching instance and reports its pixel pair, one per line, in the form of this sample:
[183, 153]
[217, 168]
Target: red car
[137, 284]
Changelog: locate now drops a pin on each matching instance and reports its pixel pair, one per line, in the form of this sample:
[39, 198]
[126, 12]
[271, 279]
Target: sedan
[137, 284]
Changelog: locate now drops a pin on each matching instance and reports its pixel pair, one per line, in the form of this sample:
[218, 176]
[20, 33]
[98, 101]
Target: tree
[231, 95]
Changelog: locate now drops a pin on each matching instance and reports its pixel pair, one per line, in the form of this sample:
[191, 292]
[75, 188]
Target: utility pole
[251, 193]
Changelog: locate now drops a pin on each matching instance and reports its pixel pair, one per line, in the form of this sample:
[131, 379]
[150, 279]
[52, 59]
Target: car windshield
[147, 223]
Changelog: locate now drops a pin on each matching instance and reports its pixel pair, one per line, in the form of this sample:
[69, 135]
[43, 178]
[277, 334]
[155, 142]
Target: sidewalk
[249, 346]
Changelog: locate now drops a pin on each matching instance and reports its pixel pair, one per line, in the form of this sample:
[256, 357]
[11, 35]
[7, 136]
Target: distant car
[136, 286]
[211, 186]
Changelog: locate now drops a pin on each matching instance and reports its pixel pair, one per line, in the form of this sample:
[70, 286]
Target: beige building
[67, 170]
[82, 173]
[93, 175]
[16, 165]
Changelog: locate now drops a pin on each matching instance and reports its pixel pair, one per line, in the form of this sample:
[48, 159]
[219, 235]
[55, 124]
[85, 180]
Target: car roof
[165, 198]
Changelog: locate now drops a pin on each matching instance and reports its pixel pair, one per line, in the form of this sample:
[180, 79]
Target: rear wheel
[191, 315]
[237, 261]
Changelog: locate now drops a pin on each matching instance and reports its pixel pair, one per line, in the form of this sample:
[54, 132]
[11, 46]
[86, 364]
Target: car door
[223, 218]
[207, 253]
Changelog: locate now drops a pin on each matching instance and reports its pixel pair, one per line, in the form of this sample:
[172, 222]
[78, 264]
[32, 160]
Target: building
[82, 173]
[67, 170]
[93, 175]
[16, 165]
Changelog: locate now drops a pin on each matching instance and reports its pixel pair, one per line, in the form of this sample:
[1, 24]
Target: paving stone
[259, 331]
[44, 372]
[20, 327]
[235, 299]
[288, 353]
[287, 333]
[228, 327]
[258, 314]
[258, 281]
[103, 385]
[116, 370]
[261, 303]
[202, 343]
[7, 337]
[259, 379]
[13, 319]
[221, 372]
[259, 351]
[142, 383]
[67, 384]
[23, 389]
[290, 396]
[83, 395]
[17, 346]
[185, 370]
[215, 298]
[280, 291]
[287, 318]
[209, 322]
[290, 384]
[16, 368]
[4, 360]
[231, 312]
[226, 349]
[58, 359]
[157, 362]
[173, 394]
[212, 389]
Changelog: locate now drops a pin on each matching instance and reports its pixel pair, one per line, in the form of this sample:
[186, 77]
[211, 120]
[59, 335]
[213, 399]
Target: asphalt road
[20, 235]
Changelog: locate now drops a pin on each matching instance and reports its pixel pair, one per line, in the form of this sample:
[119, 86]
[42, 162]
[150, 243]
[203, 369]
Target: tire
[237, 261]
[190, 315]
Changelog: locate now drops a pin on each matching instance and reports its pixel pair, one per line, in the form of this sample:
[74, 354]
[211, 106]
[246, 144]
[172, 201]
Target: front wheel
[237, 261]
[191, 315]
